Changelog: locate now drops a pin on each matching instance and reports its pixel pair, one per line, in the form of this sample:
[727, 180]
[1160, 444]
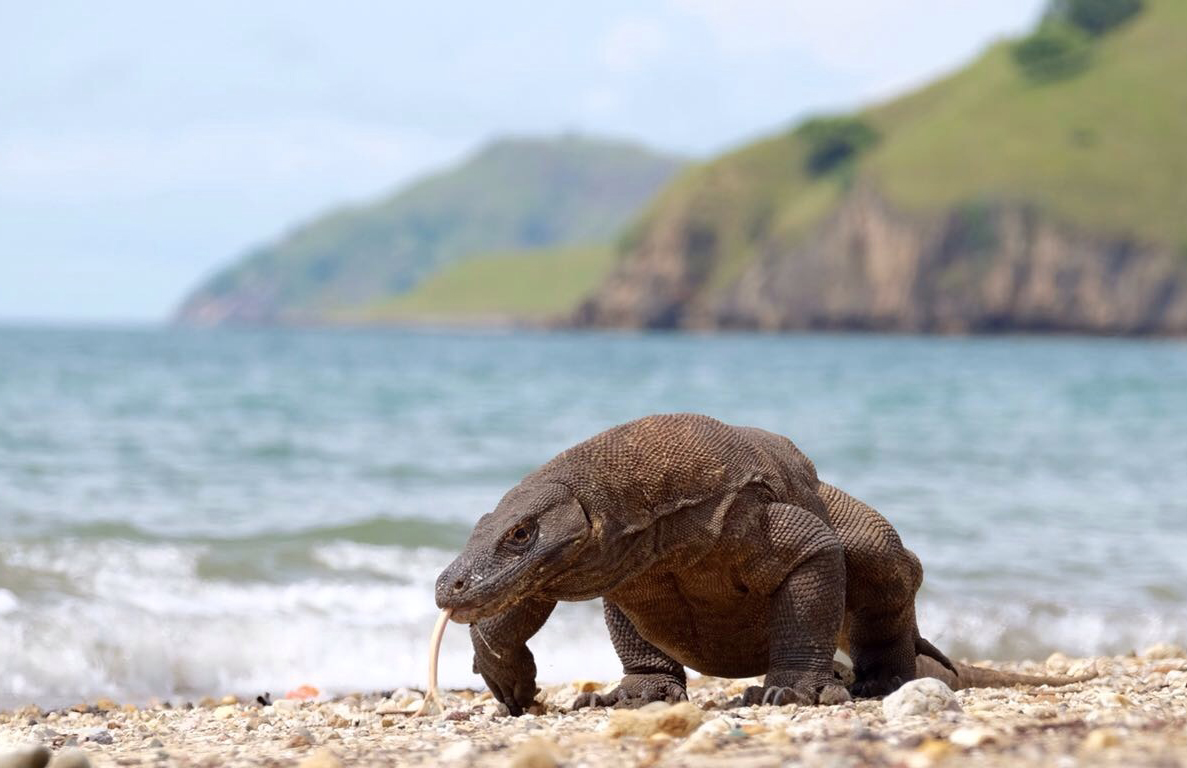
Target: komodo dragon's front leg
[806, 610]
[501, 653]
[648, 673]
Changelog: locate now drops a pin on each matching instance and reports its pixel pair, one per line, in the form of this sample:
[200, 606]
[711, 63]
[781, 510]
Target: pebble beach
[1133, 713]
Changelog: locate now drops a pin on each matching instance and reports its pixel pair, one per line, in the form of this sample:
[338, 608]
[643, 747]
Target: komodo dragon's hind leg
[806, 610]
[883, 577]
[648, 673]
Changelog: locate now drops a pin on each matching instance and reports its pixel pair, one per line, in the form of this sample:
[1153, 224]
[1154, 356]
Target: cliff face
[977, 268]
[986, 201]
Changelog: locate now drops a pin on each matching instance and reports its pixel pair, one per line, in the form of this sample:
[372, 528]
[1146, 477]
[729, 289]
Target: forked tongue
[432, 702]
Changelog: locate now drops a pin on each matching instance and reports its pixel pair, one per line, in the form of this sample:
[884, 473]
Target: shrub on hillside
[834, 140]
[1095, 17]
[1055, 50]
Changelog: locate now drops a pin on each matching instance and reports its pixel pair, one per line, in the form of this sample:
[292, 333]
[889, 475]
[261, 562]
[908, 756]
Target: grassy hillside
[531, 285]
[1100, 149]
[522, 193]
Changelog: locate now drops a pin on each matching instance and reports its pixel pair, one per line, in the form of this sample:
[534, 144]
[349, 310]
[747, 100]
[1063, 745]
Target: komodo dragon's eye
[521, 534]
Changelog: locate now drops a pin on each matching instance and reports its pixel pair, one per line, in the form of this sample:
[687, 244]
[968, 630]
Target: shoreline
[1134, 712]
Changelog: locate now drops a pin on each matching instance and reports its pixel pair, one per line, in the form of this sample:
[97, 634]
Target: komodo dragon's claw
[635, 691]
[786, 689]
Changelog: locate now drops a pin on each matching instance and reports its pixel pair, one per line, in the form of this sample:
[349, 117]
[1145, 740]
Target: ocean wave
[8, 602]
[139, 620]
[379, 530]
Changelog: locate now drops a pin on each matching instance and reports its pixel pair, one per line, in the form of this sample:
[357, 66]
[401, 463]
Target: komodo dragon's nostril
[459, 585]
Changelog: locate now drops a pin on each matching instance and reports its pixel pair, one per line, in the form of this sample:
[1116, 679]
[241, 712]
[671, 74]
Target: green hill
[1003, 197]
[531, 286]
[513, 194]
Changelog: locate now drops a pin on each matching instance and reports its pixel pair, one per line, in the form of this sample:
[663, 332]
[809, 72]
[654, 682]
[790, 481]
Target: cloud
[885, 44]
[631, 44]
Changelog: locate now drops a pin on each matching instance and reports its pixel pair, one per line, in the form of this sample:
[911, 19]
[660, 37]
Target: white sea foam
[141, 624]
[135, 621]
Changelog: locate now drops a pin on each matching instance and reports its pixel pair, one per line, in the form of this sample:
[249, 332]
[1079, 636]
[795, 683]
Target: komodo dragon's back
[644, 469]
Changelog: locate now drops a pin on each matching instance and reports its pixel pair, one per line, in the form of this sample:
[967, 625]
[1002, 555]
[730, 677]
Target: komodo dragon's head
[533, 535]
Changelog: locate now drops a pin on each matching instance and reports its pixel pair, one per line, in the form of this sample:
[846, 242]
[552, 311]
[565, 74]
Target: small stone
[536, 753]
[322, 758]
[33, 757]
[302, 738]
[457, 752]
[1101, 738]
[930, 752]
[101, 737]
[1164, 651]
[972, 737]
[70, 758]
[588, 686]
[106, 705]
[704, 739]
[286, 705]
[156, 744]
[677, 720]
[388, 707]
[228, 700]
[225, 712]
[920, 697]
[1058, 663]
[387, 722]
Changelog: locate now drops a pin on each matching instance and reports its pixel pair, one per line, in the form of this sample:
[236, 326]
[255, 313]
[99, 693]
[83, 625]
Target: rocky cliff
[1011, 195]
[978, 268]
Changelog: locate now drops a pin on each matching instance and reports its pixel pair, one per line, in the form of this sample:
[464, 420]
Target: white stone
[920, 697]
[458, 752]
[391, 706]
[972, 736]
[704, 738]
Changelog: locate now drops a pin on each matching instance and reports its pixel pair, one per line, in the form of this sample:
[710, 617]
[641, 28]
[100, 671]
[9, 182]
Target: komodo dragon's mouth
[471, 596]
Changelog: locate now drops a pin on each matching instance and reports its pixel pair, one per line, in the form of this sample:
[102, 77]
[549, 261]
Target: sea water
[185, 513]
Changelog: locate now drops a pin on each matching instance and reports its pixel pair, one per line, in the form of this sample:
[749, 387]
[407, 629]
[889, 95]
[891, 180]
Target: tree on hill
[1096, 17]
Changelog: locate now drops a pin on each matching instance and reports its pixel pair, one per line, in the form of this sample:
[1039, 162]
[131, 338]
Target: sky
[143, 144]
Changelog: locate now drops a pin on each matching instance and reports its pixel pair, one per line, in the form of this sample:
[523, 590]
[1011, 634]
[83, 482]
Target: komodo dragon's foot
[782, 688]
[882, 670]
[873, 687]
[637, 690]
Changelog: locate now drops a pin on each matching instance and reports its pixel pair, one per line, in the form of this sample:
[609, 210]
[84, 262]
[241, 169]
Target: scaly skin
[713, 547]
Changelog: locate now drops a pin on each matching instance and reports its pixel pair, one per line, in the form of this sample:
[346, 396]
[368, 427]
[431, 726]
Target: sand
[1134, 713]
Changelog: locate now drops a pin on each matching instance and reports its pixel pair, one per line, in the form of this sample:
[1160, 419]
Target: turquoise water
[188, 513]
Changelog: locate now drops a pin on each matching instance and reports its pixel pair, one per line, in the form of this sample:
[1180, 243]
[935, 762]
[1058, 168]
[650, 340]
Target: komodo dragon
[713, 547]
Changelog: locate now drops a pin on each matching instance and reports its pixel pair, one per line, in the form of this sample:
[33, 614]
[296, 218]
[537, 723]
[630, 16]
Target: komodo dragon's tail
[968, 676]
